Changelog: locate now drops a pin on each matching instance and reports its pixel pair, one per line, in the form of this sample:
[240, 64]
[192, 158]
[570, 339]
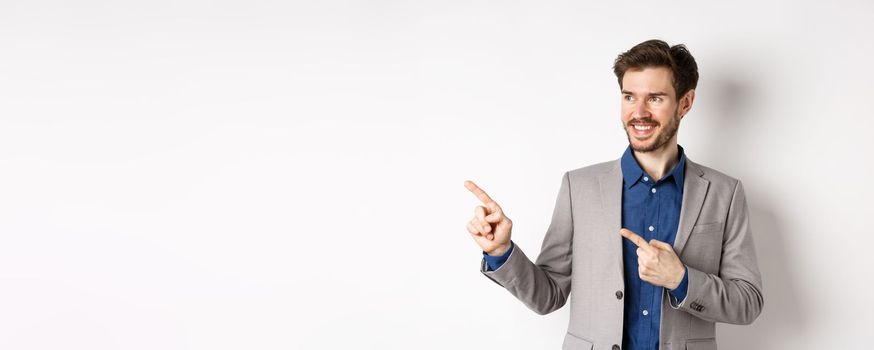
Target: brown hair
[657, 53]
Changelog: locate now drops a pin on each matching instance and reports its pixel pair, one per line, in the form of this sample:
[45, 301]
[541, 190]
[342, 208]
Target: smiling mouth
[643, 130]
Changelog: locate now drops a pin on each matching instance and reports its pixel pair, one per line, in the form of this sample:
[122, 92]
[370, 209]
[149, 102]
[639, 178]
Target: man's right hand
[490, 228]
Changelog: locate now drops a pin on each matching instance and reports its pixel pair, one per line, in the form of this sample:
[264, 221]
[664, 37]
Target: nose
[641, 111]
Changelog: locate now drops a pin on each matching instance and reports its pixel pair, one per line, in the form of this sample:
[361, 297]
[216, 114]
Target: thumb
[661, 245]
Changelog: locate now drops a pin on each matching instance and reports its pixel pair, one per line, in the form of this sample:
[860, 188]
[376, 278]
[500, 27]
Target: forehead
[647, 80]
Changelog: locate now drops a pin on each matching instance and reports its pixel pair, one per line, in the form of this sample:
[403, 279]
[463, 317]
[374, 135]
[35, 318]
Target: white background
[288, 175]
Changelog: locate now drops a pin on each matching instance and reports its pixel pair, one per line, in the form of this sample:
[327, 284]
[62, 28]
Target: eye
[627, 97]
[656, 99]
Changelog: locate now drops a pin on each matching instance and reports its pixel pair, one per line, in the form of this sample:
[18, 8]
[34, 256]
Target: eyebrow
[626, 92]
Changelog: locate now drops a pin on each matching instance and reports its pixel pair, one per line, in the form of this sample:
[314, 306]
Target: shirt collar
[632, 172]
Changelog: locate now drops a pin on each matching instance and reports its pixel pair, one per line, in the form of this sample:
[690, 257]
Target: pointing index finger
[635, 238]
[483, 197]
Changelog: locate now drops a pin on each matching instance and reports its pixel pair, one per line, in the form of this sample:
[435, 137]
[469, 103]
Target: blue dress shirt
[652, 210]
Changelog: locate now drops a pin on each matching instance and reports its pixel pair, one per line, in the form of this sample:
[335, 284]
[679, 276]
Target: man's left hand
[657, 263]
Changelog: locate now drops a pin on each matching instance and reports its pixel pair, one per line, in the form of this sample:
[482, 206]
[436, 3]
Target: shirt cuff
[494, 262]
[679, 293]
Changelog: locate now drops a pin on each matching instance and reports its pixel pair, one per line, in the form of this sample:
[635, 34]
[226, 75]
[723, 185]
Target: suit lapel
[611, 195]
[694, 190]
[611, 201]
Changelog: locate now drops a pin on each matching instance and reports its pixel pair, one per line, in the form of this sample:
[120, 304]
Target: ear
[686, 102]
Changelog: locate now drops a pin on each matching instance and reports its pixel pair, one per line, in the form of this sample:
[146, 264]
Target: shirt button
[651, 228]
[645, 312]
[653, 190]
[645, 178]
[618, 294]
[615, 347]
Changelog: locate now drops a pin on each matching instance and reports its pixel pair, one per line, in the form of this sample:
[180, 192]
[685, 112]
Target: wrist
[500, 250]
[679, 280]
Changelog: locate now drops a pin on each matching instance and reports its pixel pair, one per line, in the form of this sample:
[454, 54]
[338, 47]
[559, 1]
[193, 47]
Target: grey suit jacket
[581, 258]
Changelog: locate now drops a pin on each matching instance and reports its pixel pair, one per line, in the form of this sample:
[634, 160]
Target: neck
[658, 162]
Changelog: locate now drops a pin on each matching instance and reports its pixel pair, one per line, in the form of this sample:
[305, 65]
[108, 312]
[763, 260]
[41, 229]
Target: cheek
[667, 109]
[664, 114]
[626, 113]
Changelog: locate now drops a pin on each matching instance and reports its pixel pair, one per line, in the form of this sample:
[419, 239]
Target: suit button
[618, 294]
[615, 347]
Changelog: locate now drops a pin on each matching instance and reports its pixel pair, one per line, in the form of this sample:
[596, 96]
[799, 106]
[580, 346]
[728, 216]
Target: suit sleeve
[543, 286]
[495, 262]
[735, 294]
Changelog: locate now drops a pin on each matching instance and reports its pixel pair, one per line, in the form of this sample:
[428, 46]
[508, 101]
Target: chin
[642, 145]
[648, 145]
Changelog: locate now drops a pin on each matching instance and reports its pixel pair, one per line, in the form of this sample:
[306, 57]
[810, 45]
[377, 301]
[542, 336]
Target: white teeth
[642, 128]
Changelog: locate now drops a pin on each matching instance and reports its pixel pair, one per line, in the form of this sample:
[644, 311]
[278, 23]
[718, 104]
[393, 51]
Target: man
[652, 248]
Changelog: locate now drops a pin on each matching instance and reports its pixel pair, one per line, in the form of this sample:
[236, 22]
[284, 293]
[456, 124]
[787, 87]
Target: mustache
[642, 121]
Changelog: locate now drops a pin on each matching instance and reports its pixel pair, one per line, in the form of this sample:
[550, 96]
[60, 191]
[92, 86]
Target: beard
[658, 140]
